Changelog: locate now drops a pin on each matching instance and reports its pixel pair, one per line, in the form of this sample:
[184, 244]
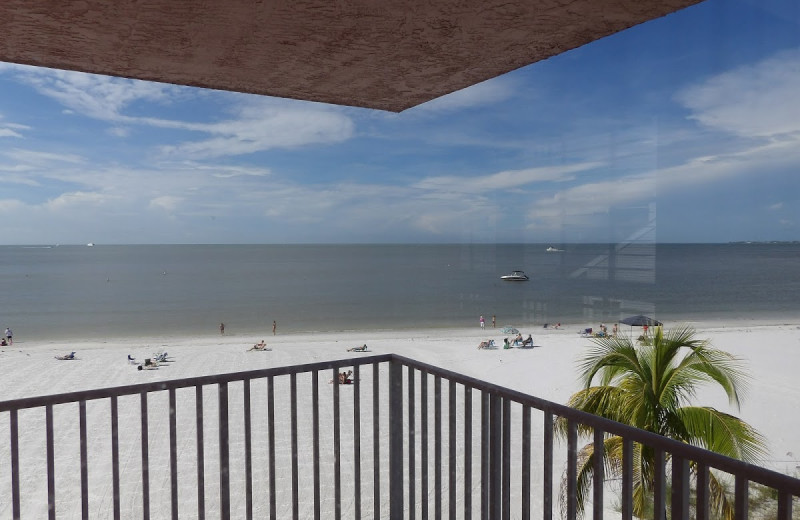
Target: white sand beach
[771, 352]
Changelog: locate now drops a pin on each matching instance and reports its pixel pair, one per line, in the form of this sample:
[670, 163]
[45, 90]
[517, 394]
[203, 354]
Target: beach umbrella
[640, 320]
[508, 329]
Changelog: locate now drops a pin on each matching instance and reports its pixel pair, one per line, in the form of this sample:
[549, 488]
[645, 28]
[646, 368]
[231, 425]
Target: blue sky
[683, 129]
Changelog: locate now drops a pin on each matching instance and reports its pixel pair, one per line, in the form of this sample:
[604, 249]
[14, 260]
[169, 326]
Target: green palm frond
[722, 433]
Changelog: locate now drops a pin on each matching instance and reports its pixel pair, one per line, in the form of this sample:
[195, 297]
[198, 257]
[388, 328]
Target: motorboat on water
[552, 249]
[515, 276]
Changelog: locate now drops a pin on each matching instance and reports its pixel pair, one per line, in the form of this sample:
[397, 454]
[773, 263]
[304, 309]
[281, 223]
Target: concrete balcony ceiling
[383, 54]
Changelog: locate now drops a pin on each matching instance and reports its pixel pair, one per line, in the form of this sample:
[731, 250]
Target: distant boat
[90, 244]
[515, 276]
[552, 249]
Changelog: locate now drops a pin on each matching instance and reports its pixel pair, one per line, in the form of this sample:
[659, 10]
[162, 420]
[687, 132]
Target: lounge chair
[160, 357]
[67, 357]
[149, 364]
[486, 344]
[131, 360]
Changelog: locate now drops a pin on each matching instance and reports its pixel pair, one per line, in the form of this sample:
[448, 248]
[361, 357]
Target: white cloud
[92, 95]
[37, 158]
[758, 100]
[776, 207]
[7, 132]
[504, 180]
[77, 199]
[166, 203]
[599, 197]
[263, 125]
[485, 93]
[257, 123]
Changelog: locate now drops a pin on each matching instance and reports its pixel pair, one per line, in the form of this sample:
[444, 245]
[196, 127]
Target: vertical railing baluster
[201, 458]
[337, 464]
[784, 505]
[598, 476]
[273, 509]
[741, 500]
[357, 442]
[485, 462]
[423, 431]
[224, 454]
[293, 426]
[84, 460]
[376, 447]
[572, 469]
[115, 457]
[395, 440]
[547, 469]
[14, 432]
[248, 453]
[659, 485]
[437, 447]
[506, 459]
[467, 453]
[145, 456]
[495, 457]
[702, 504]
[526, 462]
[173, 453]
[412, 448]
[315, 439]
[51, 469]
[627, 479]
[680, 487]
[451, 440]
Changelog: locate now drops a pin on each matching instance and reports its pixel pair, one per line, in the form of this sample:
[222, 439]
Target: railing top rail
[157, 386]
[754, 473]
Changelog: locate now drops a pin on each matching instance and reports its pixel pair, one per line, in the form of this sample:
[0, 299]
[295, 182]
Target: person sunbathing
[528, 341]
[344, 378]
[258, 346]
[362, 348]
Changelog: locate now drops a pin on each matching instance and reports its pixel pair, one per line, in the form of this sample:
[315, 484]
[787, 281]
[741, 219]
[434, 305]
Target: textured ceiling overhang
[384, 54]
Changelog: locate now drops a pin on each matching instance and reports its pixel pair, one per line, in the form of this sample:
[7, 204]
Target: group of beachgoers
[517, 341]
[602, 331]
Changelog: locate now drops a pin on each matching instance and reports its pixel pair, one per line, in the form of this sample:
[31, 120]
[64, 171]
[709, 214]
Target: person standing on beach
[222, 328]
[274, 327]
[494, 321]
[9, 336]
[483, 323]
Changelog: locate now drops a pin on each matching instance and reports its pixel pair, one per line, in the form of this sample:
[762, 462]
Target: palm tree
[649, 387]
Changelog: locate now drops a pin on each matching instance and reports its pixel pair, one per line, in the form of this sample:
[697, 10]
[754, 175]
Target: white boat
[515, 276]
[552, 249]
[90, 244]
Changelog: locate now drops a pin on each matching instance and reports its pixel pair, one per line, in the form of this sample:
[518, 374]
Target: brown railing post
[495, 456]
[395, 440]
[224, 455]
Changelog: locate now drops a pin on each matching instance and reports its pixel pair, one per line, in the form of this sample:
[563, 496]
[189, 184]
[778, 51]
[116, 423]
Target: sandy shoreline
[771, 352]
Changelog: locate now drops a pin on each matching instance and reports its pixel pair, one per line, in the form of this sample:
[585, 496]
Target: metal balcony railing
[404, 440]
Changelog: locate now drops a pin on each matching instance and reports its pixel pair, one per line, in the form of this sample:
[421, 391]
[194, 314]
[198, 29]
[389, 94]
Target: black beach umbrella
[640, 320]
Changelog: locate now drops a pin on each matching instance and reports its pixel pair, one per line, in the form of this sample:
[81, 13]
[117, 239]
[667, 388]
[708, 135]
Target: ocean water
[172, 290]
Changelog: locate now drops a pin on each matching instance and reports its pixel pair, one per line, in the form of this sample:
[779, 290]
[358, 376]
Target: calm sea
[118, 291]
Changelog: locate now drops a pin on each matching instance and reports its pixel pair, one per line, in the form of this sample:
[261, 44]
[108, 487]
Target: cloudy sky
[683, 129]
